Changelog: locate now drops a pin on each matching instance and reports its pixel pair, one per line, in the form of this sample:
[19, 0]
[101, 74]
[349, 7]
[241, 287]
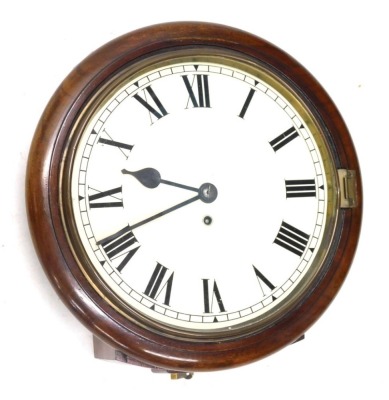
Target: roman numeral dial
[200, 193]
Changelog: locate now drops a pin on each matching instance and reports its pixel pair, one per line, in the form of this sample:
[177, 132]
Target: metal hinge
[348, 188]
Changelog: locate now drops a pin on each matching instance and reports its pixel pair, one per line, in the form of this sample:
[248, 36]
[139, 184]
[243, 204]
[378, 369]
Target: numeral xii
[202, 99]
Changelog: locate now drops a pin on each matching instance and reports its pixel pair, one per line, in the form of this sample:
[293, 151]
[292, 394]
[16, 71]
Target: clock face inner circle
[199, 194]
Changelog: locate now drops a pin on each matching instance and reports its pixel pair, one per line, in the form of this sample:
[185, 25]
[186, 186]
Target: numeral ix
[94, 199]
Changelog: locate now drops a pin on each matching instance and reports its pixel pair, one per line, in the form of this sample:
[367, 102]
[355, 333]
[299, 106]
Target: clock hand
[151, 178]
[148, 177]
[149, 219]
[167, 211]
[207, 193]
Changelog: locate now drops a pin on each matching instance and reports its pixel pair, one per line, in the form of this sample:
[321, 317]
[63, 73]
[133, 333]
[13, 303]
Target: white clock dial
[200, 194]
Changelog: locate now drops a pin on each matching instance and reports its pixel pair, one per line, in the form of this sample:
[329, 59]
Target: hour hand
[151, 178]
[148, 177]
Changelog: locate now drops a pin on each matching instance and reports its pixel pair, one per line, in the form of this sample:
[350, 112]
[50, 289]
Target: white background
[45, 352]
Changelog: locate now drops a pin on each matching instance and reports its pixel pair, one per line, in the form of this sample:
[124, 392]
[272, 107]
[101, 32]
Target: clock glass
[200, 192]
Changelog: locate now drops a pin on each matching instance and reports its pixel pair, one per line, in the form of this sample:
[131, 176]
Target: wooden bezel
[43, 198]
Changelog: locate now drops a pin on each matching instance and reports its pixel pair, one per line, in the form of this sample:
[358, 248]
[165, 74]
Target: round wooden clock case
[194, 196]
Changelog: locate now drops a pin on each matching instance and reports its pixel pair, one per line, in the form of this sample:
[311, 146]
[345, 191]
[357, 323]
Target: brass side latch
[348, 188]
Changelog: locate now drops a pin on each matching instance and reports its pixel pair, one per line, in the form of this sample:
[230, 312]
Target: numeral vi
[211, 294]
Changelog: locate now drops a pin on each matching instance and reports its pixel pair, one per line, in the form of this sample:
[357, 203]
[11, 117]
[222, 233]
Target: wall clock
[194, 197]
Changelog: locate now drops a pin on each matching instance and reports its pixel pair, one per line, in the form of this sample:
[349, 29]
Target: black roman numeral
[300, 188]
[262, 278]
[202, 99]
[247, 103]
[159, 111]
[283, 139]
[157, 284]
[120, 243]
[125, 148]
[292, 239]
[114, 201]
[114, 143]
[209, 295]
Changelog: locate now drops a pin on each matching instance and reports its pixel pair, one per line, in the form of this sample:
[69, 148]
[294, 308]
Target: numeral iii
[300, 188]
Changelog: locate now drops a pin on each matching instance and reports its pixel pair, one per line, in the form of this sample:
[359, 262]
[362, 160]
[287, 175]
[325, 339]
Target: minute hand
[207, 193]
[151, 178]
[169, 210]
